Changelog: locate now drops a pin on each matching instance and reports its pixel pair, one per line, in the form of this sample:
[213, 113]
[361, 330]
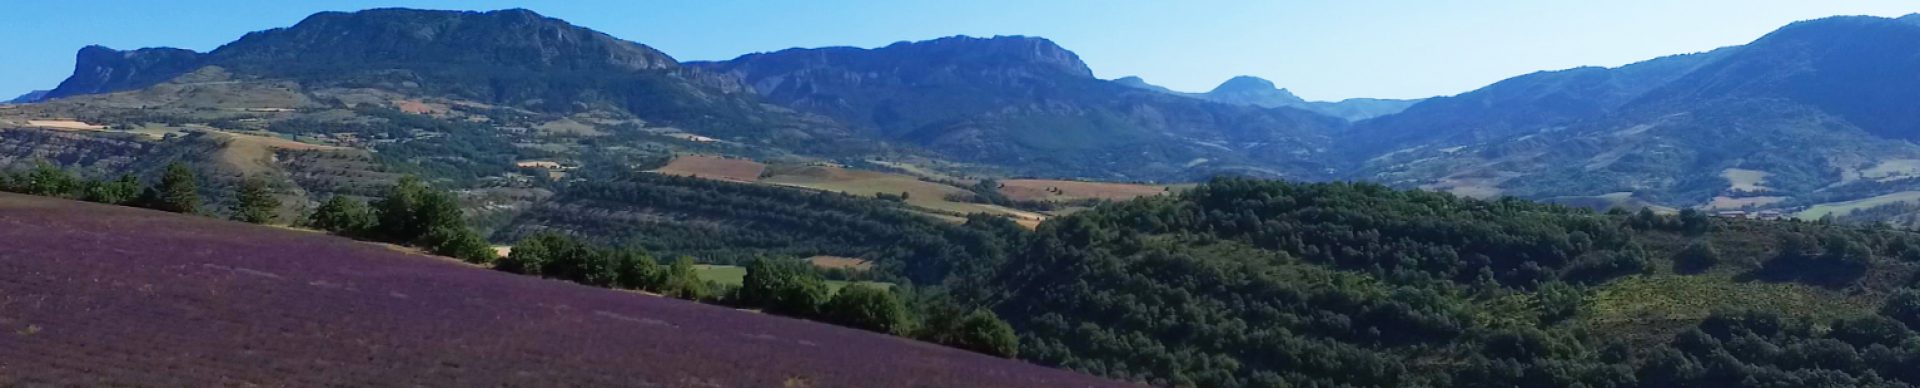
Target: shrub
[460, 243]
[1699, 256]
[121, 191]
[1903, 306]
[343, 216]
[783, 287]
[867, 307]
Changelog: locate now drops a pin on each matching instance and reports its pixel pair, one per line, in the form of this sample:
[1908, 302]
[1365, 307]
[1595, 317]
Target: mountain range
[1812, 113]
[938, 169]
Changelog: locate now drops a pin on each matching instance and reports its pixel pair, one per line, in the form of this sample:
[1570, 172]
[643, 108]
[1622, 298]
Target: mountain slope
[1033, 108]
[1242, 283]
[514, 58]
[1811, 113]
[32, 96]
[98, 69]
[123, 294]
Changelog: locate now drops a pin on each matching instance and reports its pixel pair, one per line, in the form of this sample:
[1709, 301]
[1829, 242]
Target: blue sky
[1322, 49]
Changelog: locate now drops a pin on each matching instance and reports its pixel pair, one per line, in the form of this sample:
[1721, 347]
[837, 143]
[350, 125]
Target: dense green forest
[730, 223]
[1265, 283]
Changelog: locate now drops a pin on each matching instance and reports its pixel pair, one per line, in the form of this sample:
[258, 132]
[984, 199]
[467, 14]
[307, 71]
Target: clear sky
[1321, 49]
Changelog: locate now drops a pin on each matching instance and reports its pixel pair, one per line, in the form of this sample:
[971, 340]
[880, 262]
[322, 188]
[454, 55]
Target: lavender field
[100, 295]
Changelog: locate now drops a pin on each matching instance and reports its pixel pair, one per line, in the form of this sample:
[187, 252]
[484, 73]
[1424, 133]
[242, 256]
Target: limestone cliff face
[99, 69]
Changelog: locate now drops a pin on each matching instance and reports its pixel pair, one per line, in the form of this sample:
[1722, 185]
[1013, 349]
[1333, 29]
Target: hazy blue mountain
[32, 96]
[1255, 91]
[1814, 112]
[1029, 105]
[1137, 82]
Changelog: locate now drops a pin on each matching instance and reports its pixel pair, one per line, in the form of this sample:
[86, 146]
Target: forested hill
[1265, 283]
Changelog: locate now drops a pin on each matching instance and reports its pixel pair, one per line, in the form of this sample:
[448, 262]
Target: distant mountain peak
[1244, 83]
[1254, 91]
[1911, 18]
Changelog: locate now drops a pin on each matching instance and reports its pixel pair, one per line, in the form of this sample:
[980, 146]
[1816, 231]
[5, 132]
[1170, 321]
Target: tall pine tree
[255, 202]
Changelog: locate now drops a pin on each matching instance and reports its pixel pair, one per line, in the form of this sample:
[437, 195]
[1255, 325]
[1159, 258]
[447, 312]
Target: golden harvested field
[65, 124]
[714, 167]
[840, 262]
[923, 194]
[1062, 190]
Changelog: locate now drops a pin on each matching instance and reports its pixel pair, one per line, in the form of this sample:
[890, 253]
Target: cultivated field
[1745, 180]
[840, 262]
[928, 195]
[95, 295]
[733, 275]
[714, 167]
[1841, 208]
[1063, 190]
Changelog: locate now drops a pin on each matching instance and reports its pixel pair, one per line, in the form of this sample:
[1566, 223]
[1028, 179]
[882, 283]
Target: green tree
[984, 332]
[1904, 306]
[343, 216]
[178, 191]
[121, 191]
[870, 308]
[255, 202]
[411, 210]
[679, 281]
[783, 287]
[1559, 301]
[460, 243]
[1698, 256]
[634, 268]
[49, 180]
[396, 211]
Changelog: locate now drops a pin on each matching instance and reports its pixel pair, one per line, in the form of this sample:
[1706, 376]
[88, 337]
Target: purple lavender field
[101, 295]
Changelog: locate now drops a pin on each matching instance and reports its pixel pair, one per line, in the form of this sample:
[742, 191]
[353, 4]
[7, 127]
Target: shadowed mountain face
[1032, 106]
[513, 58]
[99, 69]
[1814, 112]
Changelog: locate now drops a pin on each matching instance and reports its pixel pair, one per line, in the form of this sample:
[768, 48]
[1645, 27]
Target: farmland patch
[714, 167]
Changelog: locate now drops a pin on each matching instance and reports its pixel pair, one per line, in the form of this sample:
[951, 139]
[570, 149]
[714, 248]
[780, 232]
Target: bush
[1699, 256]
[783, 287]
[1559, 301]
[1904, 306]
[343, 216]
[121, 191]
[979, 331]
[870, 308]
[460, 243]
[679, 281]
